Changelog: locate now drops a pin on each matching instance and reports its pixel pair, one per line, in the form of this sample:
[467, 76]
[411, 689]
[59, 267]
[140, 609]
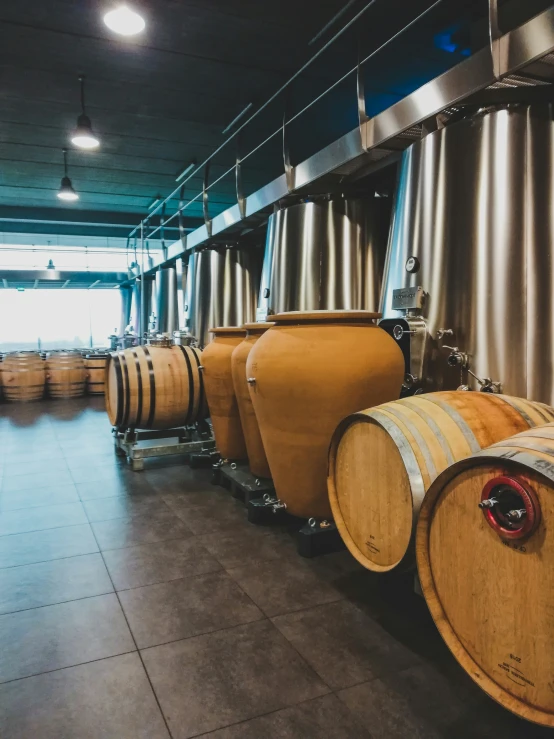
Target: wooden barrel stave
[492, 597]
[155, 387]
[376, 487]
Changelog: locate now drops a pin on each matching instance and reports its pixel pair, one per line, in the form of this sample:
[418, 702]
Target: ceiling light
[157, 199]
[186, 170]
[124, 21]
[83, 136]
[66, 191]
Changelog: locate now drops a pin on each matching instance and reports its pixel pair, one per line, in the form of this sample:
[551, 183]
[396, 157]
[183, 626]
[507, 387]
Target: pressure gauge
[412, 265]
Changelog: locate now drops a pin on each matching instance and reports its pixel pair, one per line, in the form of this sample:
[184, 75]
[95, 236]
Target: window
[57, 319]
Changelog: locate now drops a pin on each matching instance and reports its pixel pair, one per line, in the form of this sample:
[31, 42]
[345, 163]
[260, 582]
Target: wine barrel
[308, 371]
[95, 365]
[154, 387]
[23, 376]
[65, 374]
[485, 556]
[220, 391]
[383, 460]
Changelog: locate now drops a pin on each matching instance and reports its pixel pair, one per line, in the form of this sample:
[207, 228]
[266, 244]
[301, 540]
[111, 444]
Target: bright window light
[124, 21]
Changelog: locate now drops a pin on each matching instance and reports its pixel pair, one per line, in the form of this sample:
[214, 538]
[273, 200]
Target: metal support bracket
[182, 231]
[162, 231]
[206, 200]
[363, 118]
[241, 200]
[494, 39]
[289, 169]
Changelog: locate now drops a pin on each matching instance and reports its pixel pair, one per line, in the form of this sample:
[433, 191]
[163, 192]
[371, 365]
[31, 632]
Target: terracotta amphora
[220, 391]
[257, 460]
[307, 373]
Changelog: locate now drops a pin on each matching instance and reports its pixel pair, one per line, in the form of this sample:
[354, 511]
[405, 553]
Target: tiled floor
[144, 606]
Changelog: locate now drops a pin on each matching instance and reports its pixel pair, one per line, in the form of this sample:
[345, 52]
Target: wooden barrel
[485, 555]
[65, 374]
[22, 376]
[383, 460]
[155, 387]
[95, 365]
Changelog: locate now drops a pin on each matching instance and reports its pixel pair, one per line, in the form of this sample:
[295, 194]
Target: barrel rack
[136, 446]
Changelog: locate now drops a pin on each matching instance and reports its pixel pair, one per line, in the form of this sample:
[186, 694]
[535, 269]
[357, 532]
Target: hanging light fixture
[66, 191]
[124, 21]
[83, 136]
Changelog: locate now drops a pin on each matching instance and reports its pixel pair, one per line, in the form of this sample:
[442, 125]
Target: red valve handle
[496, 519]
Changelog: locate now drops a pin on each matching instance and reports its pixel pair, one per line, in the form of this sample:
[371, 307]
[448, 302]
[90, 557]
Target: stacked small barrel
[29, 375]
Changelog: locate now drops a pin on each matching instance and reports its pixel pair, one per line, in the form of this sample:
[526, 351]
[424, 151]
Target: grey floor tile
[37, 454]
[147, 564]
[36, 480]
[42, 546]
[183, 608]
[100, 474]
[208, 682]
[386, 712]
[424, 702]
[234, 549]
[124, 506]
[344, 645]
[209, 512]
[43, 517]
[282, 586]
[108, 489]
[109, 699]
[321, 717]
[145, 529]
[36, 497]
[31, 466]
[31, 586]
[63, 635]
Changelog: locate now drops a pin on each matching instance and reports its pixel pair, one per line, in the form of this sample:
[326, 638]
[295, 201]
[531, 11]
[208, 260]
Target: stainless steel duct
[325, 254]
[222, 286]
[136, 302]
[474, 227]
[166, 300]
[145, 304]
[126, 295]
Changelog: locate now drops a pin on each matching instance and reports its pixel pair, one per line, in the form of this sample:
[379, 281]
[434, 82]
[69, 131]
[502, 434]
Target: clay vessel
[310, 371]
[220, 391]
[257, 460]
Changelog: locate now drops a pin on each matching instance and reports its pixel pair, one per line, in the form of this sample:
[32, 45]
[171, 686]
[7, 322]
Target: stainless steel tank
[166, 300]
[126, 295]
[222, 287]
[324, 254]
[473, 226]
[136, 303]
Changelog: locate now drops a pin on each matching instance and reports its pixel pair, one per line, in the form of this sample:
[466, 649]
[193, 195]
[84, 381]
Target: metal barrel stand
[136, 445]
[243, 485]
